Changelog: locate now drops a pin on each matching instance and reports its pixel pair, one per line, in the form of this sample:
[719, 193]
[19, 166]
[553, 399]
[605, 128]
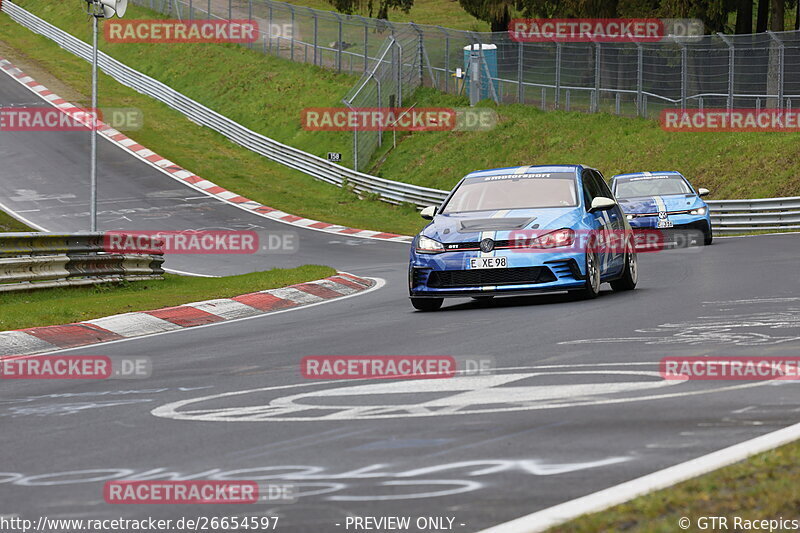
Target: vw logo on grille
[662, 214]
[487, 245]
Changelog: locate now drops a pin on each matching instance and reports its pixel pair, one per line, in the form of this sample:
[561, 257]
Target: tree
[744, 16]
[496, 12]
[762, 16]
[368, 6]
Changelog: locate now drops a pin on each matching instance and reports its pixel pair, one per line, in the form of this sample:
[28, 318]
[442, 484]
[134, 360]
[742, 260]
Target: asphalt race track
[576, 404]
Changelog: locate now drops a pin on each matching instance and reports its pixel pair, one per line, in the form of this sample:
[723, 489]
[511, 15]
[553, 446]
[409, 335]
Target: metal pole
[781, 51]
[93, 164]
[316, 34]
[446, 59]
[269, 29]
[731, 63]
[191, 15]
[208, 13]
[291, 54]
[230, 9]
[639, 78]
[596, 103]
[366, 45]
[340, 46]
[684, 76]
[250, 17]
[558, 75]
[520, 94]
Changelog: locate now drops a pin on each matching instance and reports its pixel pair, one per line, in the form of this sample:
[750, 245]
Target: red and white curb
[178, 173]
[112, 328]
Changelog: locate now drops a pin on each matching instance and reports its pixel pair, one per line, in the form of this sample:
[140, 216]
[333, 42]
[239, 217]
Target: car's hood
[465, 227]
[654, 204]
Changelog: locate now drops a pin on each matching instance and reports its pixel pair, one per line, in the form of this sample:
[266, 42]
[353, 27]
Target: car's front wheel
[630, 276]
[427, 304]
[708, 236]
[591, 286]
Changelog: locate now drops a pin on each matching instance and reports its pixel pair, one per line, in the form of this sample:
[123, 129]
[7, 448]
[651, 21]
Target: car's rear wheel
[630, 276]
[427, 304]
[591, 286]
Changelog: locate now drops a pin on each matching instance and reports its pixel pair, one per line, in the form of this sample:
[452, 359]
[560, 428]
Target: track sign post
[98, 9]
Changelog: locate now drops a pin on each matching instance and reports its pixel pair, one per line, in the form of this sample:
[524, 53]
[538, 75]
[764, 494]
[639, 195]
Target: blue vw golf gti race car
[512, 231]
[663, 200]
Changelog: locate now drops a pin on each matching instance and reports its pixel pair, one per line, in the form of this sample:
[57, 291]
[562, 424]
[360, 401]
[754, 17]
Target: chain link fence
[631, 79]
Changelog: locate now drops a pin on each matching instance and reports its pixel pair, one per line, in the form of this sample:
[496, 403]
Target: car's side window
[606, 191]
[588, 188]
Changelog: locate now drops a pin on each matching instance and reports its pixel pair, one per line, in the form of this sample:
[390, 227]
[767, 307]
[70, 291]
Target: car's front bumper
[447, 275]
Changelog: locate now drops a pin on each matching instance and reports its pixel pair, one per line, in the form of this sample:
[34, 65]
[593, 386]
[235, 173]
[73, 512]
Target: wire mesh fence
[631, 79]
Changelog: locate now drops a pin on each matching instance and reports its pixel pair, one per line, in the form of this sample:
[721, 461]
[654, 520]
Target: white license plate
[488, 262]
[665, 223]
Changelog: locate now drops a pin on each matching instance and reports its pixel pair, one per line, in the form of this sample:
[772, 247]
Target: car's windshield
[650, 186]
[514, 191]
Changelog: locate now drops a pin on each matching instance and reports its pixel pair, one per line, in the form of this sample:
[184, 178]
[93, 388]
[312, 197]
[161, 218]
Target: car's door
[602, 220]
[616, 223]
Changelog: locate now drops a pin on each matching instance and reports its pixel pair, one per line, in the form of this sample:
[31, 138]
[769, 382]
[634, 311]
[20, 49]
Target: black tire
[708, 237]
[630, 276]
[427, 304]
[591, 288]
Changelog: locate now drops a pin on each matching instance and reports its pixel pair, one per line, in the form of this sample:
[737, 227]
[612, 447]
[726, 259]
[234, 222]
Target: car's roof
[646, 174]
[524, 169]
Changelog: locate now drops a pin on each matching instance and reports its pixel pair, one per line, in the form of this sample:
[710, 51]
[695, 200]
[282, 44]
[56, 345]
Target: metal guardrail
[727, 216]
[43, 260]
[390, 191]
[764, 214]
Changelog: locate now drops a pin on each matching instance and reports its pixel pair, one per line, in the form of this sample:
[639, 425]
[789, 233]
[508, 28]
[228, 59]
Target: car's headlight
[629, 217]
[554, 239]
[698, 211]
[426, 245]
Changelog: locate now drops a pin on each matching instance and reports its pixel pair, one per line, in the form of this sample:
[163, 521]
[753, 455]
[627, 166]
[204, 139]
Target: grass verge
[762, 487]
[9, 223]
[255, 86]
[75, 304]
[731, 165]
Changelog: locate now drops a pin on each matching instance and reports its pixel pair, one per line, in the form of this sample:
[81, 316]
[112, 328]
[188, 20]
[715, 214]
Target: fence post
[731, 63]
[291, 40]
[269, 29]
[250, 17]
[380, 104]
[339, 45]
[639, 78]
[230, 9]
[446, 58]
[208, 14]
[684, 81]
[366, 42]
[781, 50]
[558, 75]
[617, 102]
[316, 33]
[191, 16]
[566, 96]
[596, 103]
[520, 87]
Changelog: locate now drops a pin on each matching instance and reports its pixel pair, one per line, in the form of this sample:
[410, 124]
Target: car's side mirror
[601, 203]
[428, 212]
[703, 192]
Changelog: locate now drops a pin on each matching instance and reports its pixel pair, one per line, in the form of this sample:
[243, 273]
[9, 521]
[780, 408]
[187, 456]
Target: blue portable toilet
[490, 57]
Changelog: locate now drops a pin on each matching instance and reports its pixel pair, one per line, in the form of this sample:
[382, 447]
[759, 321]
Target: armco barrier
[727, 216]
[43, 260]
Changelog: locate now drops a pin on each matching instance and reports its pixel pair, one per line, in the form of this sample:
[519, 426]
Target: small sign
[334, 157]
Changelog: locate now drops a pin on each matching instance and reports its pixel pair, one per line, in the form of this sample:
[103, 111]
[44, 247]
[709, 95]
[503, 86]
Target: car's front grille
[489, 276]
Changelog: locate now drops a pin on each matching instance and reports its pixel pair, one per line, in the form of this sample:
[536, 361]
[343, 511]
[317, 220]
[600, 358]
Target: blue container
[490, 57]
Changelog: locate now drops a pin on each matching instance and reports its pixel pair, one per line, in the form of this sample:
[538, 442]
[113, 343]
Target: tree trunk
[744, 16]
[778, 22]
[763, 16]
